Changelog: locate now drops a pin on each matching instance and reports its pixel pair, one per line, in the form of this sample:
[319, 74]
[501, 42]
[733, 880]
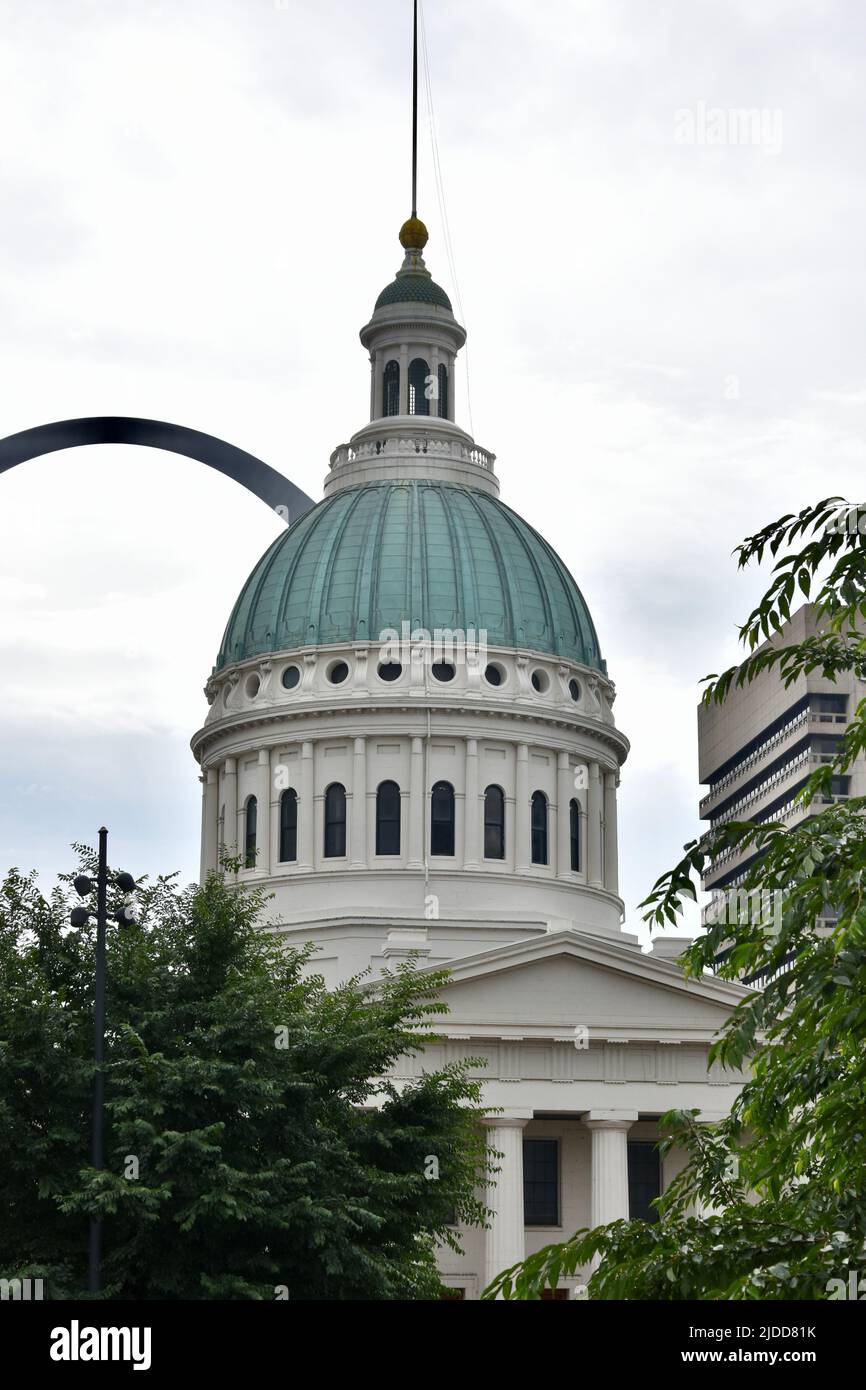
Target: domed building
[411, 744]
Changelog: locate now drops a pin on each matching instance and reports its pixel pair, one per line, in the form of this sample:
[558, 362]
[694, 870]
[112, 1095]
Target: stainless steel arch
[257, 477]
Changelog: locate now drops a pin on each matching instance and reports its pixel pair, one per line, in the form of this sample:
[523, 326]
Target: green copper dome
[414, 289]
[437, 555]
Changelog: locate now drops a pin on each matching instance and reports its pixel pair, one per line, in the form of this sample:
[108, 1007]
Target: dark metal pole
[97, 1147]
[415, 114]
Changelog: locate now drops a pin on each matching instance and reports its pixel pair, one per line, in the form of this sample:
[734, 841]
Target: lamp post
[79, 916]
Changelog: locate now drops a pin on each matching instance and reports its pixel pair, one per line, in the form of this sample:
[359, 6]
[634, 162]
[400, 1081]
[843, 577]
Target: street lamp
[79, 916]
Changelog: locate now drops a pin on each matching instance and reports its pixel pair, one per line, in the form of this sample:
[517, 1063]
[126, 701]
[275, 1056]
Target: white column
[404, 379]
[611, 870]
[472, 811]
[274, 793]
[263, 809]
[359, 805]
[306, 818]
[210, 822]
[522, 845]
[593, 828]
[451, 387]
[416, 806]
[230, 802]
[564, 793]
[609, 1164]
[505, 1239]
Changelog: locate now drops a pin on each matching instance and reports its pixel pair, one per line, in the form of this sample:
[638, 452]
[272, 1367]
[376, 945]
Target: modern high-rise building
[757, 750]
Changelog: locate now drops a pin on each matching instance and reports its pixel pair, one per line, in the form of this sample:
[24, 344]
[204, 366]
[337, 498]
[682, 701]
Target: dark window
[539, 828]
[391, 389]
[251, 821]
[338, 673]
[443, 670]
[554, 1295]
[335, 821]
[494, 823]
[574, 832]
[388, 819]
[443, 391]
[288, 826]
[291, 677]
[644, 1180]
[541, 1182]
[419, 401]
[442, 819]
[390, 671]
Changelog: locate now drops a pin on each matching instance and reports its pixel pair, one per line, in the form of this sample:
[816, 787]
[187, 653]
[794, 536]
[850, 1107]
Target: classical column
[609, 1164]
[230, 802]
[522, 830]
[416, 806]
[306, 808]
[472, 811]
[611, 871]
[564, 793]
[404, 379]
[452, 392]
[276, 787]
[504, 1240]
[209, 821]
[359, 805]
[593, 828]
[263, 812]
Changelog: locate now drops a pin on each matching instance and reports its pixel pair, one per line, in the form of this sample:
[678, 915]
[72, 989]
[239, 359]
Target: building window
[391, 389]
[443, 391]
[388, 819]
[539, 828]
[494, 823]
[644, 1180]
[250, 824]
[442, 819]
[419, 401]
[288, 826]
[541, 1182]
[335, 821]
[574, 833]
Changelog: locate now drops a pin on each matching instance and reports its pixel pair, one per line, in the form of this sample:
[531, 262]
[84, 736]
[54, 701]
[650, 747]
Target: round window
[390, 671]
[540, 681]
[494, 675]
[574, 690]
[338, 673]
[291, 677]
[443, 671]
[252, 687]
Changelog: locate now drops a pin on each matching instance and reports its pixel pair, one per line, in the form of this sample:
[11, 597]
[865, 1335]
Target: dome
[413, 289]
[434, 554]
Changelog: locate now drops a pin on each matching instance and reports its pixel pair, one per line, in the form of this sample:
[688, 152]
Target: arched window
[419, 401]
[539, 828]
[443, 391]
[388, 818]
[391, 389]
[288, 826]
[494, 823]
[574, 833]
[335, 821]
[442, 819]
[250, 825]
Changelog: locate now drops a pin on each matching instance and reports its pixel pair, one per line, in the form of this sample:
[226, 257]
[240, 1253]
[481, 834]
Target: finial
[413, 234]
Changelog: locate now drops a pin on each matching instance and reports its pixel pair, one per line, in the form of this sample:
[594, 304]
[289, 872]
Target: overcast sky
[199, 203]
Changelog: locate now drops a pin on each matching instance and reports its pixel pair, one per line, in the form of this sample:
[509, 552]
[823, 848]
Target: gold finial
[413, 235]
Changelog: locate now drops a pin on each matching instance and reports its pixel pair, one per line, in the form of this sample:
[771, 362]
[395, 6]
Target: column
[305, 808]
[209, 821]
[452, 387]
[359, 805]
[611, 871]
[522, 830]
[609, 1130]
[263, 812]
[472, 810]
[230, 802]
[275, 791]
[593, 828]
[416, 806]
[505, 1239]
[564, 793]
[404, 379]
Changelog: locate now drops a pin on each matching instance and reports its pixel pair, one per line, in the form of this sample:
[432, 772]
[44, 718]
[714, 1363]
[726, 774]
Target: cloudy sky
[200, 202]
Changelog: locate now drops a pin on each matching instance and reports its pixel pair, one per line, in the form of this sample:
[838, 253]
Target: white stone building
[411, 741]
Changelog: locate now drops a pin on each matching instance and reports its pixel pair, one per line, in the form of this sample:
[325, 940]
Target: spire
[413, 233]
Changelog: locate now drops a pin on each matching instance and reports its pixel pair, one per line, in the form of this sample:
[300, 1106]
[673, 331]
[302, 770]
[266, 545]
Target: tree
[786, 1171]
[253, 1150]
